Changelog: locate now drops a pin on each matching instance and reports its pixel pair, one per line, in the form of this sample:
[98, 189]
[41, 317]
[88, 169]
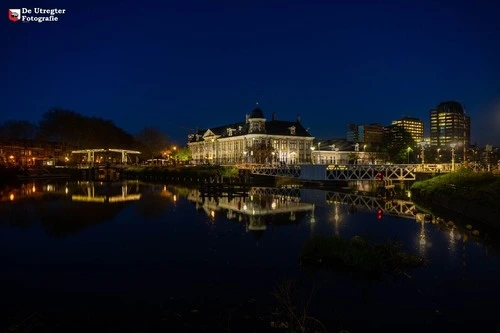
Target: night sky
[185, 64]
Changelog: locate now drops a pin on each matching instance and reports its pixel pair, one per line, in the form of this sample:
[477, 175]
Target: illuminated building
[414, 126]
[256, 140]
[449, 124]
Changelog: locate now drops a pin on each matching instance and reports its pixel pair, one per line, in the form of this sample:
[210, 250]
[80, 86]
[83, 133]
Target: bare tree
[153, 141]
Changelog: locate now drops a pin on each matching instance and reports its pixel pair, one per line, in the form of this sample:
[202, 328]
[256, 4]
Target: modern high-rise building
[367, 133]
[414, 126]
[449, 124]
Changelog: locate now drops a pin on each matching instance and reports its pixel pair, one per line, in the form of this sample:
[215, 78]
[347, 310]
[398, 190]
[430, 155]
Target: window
[292, 130]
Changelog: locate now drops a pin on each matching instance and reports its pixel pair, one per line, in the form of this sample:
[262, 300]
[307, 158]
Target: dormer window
[240, 128]
[230, 131]
[292, 130]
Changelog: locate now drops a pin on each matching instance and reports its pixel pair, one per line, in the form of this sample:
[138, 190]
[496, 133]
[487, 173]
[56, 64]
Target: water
[134, 257]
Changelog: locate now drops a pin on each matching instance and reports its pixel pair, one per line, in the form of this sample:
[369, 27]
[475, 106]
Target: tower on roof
[257, 120]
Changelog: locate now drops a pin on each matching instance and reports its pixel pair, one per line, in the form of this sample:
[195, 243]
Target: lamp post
[422, 144]
[312, 151]
[438, 157]
[408, 151]
[453, 145]
[319, 151]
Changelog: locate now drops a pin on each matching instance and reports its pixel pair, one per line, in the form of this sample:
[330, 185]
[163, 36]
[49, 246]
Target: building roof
[257, 113]
[273, 127]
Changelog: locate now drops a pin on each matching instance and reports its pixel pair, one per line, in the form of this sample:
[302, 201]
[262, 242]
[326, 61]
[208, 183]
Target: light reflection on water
[135, 230]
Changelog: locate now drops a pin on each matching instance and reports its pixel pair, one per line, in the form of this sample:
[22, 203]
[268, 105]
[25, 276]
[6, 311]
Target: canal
[138, 257]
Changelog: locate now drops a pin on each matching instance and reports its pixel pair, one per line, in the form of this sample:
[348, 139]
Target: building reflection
[65, 208]
[261, 208]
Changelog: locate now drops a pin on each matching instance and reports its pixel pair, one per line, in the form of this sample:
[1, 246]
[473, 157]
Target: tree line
[77, 131]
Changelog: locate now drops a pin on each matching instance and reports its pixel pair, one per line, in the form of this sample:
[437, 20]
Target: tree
[183, 154]
[396, 142]
[18, 130]
[79, 131]
[153, 141]
[262, 152]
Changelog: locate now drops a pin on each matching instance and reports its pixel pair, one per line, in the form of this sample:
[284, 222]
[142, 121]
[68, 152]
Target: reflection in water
[453, 241]
[69, 207]
[336, 217]
[89, 192]
[261, 207]
[422, 242]
[168, 254]
[66, 208]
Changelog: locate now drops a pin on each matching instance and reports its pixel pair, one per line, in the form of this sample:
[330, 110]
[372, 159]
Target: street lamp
[438, 157]
[319, 151]
[312, 151]
[422, 144]
[408, 151]
[453, 145]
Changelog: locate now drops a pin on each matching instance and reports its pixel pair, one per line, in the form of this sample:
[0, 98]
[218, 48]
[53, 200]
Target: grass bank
[482, 188]
[474, 195]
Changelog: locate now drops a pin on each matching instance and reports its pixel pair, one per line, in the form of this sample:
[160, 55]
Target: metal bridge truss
[265, 170]
[369, 172]
[391, 207]
[347, 172]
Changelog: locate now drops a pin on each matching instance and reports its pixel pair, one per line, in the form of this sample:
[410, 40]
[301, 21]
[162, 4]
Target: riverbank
[470, 194]
[195, 175]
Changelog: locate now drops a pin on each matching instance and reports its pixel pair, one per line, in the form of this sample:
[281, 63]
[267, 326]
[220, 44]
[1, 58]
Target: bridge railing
[435, 167]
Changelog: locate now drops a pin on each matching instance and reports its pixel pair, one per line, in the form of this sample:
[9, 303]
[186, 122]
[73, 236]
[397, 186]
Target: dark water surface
[133, 257]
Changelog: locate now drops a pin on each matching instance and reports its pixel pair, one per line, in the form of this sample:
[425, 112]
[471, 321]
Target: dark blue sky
[186, 64]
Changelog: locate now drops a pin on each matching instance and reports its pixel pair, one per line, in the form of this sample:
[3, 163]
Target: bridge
[101, 156]
[347, 172]
[323, 172]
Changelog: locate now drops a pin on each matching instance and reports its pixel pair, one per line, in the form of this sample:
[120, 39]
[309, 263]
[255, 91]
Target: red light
[380, 214]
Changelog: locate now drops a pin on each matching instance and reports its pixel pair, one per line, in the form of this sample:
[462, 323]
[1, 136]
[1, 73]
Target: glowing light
[66, 190]
[11, 197]
[175, 197]
[212, 214]
[33, 188]
[245, 207]
[273, 205]
[11, 157]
